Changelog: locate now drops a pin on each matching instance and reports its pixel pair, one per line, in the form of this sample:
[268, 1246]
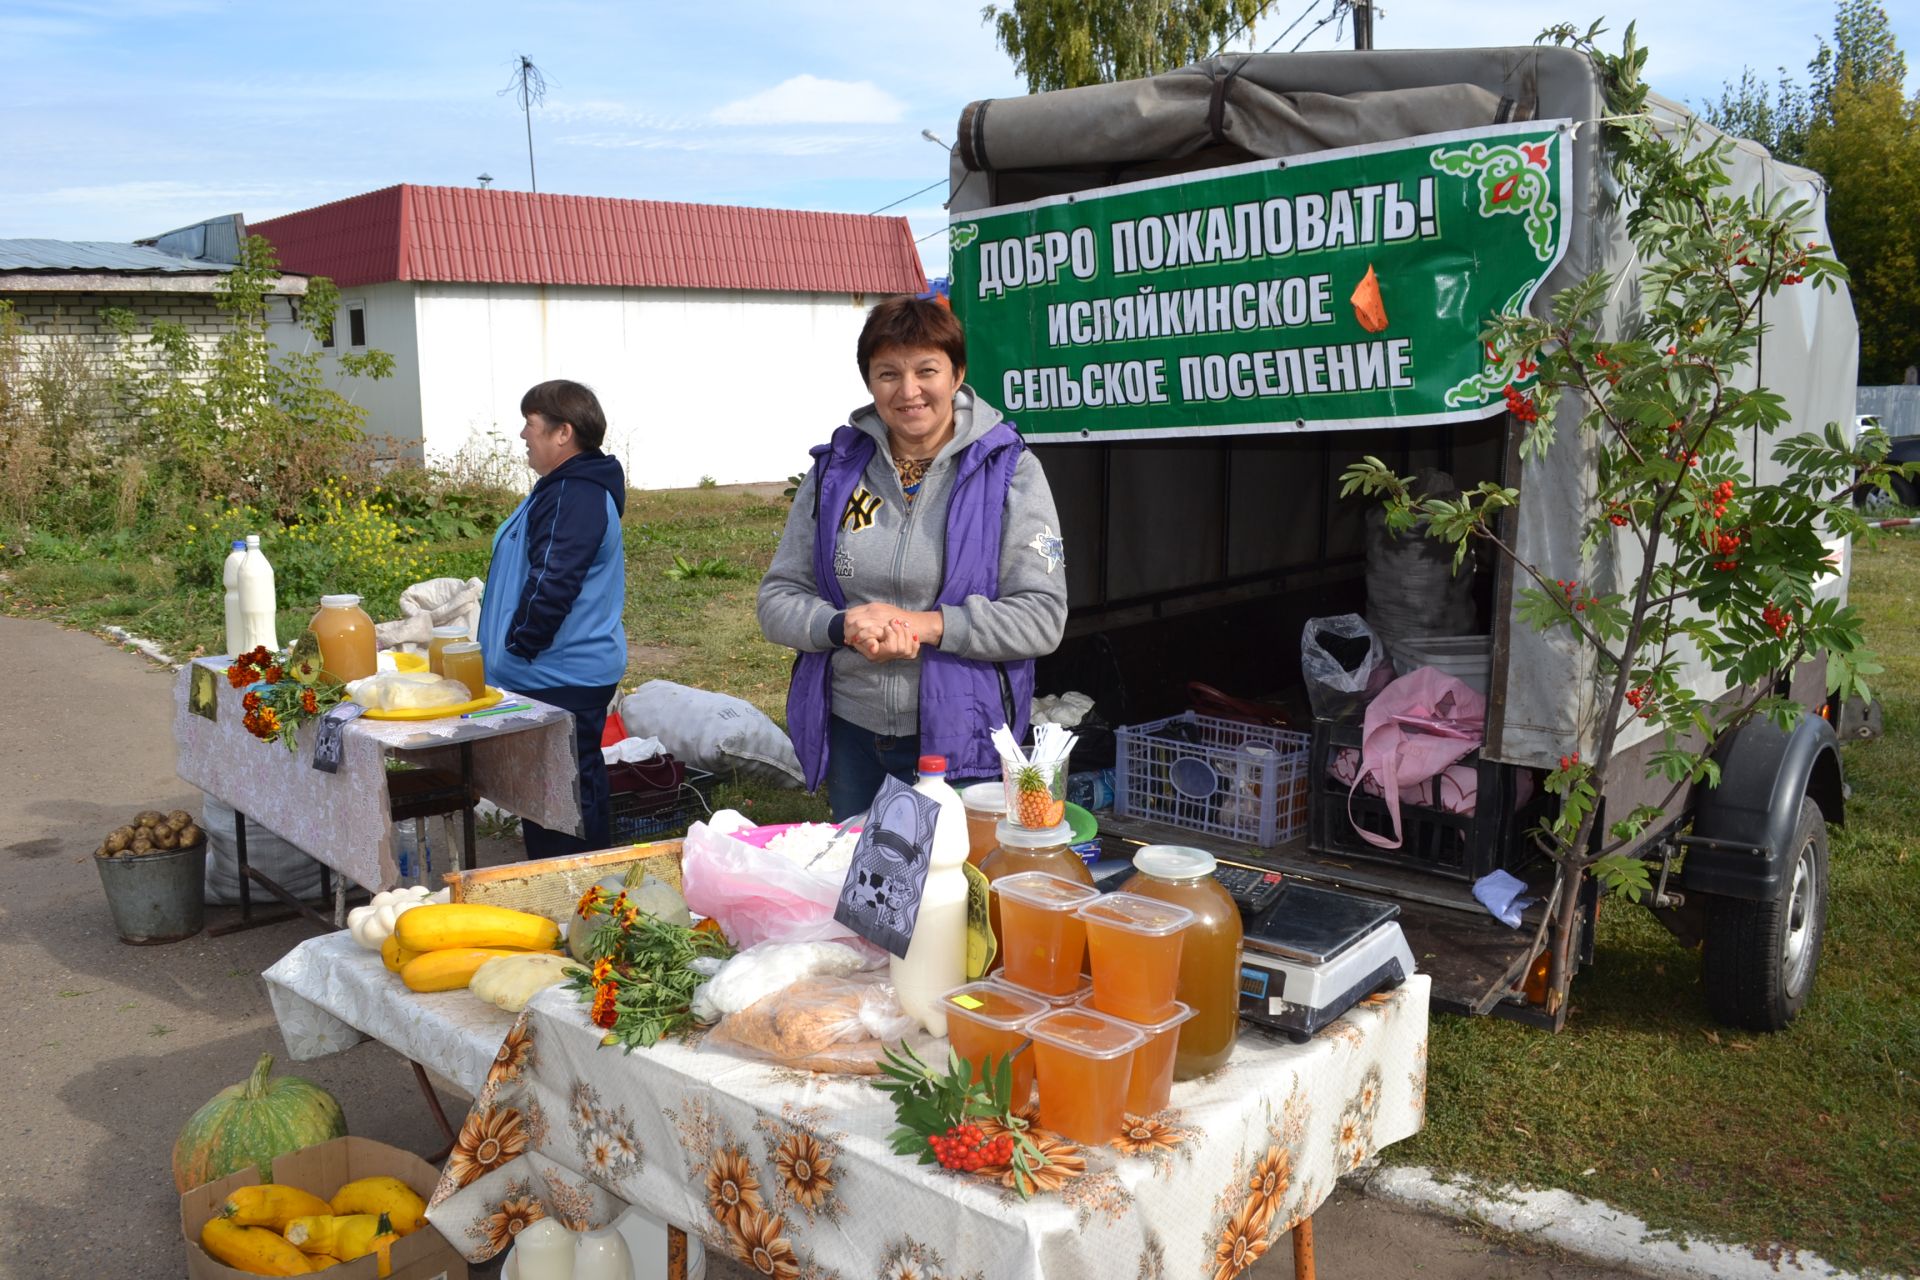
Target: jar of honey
[461, 661]
[1209, 955]
[1021, 849]
[441, 638]
[345, 633]
[986, 805]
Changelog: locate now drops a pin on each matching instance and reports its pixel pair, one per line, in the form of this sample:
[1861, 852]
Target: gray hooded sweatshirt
[893, 553]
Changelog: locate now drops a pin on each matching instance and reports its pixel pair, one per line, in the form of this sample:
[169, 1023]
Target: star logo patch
[1049, 546]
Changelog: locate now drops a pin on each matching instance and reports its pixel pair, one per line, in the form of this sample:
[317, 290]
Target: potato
[118, 839]
[179, 819]
[190, 836]
[141, 844]
[163, 837]
[103, 852]
[148, 818]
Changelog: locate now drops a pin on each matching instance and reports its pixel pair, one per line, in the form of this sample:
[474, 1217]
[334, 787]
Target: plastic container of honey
[462, 661]
[1150, 1087]
[1083, 1062]
[437, 643]
[988, 1020]
[986, 805]
[345, 632]
[1079, 995]
[1042, 941]
[1134, 943]
[1021, 849]
[1210, 956]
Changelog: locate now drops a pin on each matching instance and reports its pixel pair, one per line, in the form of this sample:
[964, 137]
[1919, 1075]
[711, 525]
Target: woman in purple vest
[920, 574]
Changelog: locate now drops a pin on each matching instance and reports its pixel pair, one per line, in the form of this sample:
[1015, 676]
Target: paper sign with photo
[327, 742]
[880, 900]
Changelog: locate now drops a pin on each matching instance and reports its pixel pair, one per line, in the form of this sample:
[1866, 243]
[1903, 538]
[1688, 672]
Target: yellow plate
[487, 699]
[409, 662]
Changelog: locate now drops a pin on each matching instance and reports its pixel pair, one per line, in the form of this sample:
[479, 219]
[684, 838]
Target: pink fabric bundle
[1416, 729]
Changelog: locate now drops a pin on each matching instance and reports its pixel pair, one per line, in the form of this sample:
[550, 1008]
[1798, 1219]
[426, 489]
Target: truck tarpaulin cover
[1340, 289]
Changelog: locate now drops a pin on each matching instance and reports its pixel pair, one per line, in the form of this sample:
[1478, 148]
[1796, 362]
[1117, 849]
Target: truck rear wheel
[1761, 957]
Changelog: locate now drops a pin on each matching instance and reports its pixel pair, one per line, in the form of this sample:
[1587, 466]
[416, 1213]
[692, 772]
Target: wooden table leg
[433, 1105]
[676, 1253]
[1303, 1249]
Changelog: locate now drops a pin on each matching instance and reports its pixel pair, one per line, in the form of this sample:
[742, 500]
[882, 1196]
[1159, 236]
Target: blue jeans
[589, 708]
[857, 759]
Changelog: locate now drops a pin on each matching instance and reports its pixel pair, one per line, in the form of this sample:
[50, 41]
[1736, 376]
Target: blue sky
[129, 117]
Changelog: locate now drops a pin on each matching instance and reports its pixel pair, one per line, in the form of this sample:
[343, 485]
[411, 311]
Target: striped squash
[250, 1123]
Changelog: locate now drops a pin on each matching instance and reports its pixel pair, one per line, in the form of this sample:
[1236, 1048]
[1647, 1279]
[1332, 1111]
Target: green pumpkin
[250, 1123]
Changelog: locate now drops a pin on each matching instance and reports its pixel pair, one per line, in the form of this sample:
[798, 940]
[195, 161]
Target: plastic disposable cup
[1134, 942]
[1036, 795]
[988, 1020]
[1084, 1063]
[986, 804]
[1042, 941]
[1151, 1085]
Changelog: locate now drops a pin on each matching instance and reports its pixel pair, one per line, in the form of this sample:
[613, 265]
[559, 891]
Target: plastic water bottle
[259, 610]
[936, 959]
[230, 579]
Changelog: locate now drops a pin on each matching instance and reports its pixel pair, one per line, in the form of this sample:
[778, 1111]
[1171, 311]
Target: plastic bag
[758, 972]
[1413, 588]
[437, 602]
[1343, 665]
[755, 895]
[839, 1025]
[407, 691]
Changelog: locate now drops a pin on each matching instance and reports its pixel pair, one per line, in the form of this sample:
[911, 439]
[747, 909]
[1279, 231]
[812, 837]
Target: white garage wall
[728, 384]
[392, 404]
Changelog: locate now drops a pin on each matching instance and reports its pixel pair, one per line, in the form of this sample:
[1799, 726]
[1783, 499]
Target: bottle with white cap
[936, 959]
[1209, 957]
[259, 609]
[230, 580]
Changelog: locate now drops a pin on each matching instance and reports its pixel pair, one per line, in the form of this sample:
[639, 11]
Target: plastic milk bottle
[936, 959]
[230, 579]
[258, 608]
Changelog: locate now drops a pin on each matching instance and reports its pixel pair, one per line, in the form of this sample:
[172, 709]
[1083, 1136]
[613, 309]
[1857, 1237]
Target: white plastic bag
[758, 896]
[407, 691]
[437, 602]
[713, 731]
[1343, 665]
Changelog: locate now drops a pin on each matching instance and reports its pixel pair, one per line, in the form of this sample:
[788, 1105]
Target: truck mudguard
[1742, 845]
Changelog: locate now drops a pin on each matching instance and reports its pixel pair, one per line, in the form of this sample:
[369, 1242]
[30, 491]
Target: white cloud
[808, 99]
[804, 144]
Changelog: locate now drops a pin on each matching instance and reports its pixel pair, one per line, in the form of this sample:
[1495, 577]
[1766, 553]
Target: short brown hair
[914, 324]
[561, 401]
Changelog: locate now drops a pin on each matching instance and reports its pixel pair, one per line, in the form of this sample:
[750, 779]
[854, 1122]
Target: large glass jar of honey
[1209, 958]
[345, 632]
[1047, 849]
[437, 643]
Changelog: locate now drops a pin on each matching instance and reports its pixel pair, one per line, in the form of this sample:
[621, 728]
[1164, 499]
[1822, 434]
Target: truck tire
[1761, 957]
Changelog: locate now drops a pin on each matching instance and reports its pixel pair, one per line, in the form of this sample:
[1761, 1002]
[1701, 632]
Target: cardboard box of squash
[321, 1212]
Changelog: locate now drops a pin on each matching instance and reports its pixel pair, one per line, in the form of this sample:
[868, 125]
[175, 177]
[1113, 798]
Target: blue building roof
[98, 256]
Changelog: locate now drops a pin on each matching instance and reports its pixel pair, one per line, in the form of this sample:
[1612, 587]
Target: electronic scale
[1314, 954]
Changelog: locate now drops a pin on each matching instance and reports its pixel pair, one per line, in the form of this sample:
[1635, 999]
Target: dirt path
[109, 1047]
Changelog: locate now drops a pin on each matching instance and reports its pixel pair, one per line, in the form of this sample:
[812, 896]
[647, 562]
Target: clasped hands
[884, 633]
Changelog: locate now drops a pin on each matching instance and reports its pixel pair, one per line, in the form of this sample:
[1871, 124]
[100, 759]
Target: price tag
[968, 1002]
[328, 738]
[880, 899]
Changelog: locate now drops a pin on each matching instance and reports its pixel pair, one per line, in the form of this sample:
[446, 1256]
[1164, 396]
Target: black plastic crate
[1459, 846]
[636, 817]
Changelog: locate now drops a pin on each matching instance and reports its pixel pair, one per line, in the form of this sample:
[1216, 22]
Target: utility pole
[1362, 24]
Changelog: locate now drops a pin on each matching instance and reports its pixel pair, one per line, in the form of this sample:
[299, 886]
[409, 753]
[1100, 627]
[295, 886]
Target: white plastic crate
[1240, 781]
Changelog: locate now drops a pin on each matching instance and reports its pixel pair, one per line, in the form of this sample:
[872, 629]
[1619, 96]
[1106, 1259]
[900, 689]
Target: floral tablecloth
[523, 761]
[790, 1172]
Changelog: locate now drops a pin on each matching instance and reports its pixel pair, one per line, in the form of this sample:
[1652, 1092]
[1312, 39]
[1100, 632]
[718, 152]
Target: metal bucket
[156, 897]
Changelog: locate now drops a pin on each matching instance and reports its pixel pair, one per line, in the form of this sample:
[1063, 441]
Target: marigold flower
[273, 674]
[602, 971]
[251, 701]
[604, 1011]
[309, 703]
[589, 902]
[239, 675]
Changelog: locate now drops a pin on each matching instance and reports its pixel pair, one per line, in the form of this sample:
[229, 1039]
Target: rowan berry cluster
[1723, 545]
[1572, 589]
[1521, 405]
[1716, 502]
[1640, 698]
[1777, 618]
[1617, 514]
[965, 1148]
[1567, 762]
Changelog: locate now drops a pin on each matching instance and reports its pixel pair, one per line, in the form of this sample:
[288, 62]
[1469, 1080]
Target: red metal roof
[513, 237]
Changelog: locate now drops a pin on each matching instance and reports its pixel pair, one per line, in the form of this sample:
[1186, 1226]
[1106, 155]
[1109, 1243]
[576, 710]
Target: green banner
[1336, 290]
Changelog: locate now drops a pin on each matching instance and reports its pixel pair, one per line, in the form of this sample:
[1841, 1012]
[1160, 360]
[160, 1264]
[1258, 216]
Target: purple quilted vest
[962, 700]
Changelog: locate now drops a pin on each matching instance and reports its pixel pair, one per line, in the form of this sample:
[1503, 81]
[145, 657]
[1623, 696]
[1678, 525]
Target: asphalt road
[109, 1048]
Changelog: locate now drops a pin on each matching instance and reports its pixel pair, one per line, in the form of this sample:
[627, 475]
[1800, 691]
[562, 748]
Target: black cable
[1311, 6]
[910, 195]
[1339, 7]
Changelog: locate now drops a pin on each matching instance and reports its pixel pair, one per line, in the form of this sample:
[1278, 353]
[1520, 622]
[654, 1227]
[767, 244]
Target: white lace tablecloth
[791, 1174]
[523, 761]
[329, 994]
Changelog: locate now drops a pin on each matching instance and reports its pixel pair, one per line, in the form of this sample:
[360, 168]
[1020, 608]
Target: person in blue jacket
[550, 622]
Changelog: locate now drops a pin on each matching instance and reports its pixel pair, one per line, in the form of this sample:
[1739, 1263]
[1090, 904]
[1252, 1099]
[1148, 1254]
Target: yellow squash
[448, 970]
[342, 1236]
[255, 1250]
[393, 955]
[400, 1202]
[271, 1205]
[440, 925]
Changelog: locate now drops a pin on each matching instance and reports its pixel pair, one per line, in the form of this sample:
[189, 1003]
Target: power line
[1311, 6]
[910, 195]
[1339, 10]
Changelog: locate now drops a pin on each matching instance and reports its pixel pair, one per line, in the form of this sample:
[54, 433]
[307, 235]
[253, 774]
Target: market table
[790, 1172]
[522, 761]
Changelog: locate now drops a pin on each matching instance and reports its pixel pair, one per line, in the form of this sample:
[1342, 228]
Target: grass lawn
[1809, 1138]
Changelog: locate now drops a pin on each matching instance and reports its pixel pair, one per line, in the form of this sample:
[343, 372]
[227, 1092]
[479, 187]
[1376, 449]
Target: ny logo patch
[862, 507]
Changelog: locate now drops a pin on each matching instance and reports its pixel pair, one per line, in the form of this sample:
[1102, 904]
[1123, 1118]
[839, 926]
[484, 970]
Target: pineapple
[1034, 797]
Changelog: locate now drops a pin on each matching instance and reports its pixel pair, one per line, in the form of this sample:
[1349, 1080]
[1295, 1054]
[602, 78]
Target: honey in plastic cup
[1042, 941]
[1081, 994]
[1151, 1086]
[1084, 1062]
[986, 804]
[988, 1020]
[1135, 945]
